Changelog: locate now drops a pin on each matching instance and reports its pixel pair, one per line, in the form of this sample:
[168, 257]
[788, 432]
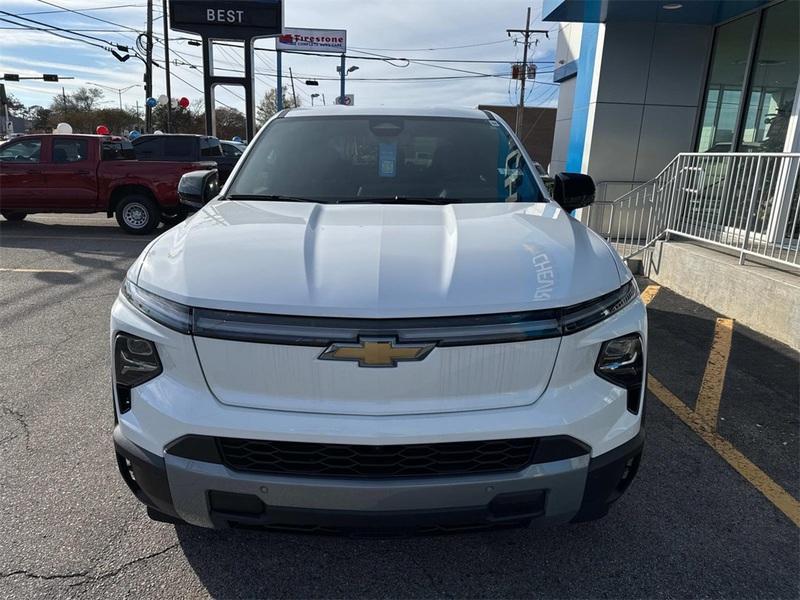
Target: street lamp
[351, 69]
[113, 89]
[312, 98]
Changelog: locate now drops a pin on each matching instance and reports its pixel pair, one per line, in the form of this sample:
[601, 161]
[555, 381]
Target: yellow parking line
[707, 406]
[784, 501]
[35, 270]
[704, 423]
[650, 292]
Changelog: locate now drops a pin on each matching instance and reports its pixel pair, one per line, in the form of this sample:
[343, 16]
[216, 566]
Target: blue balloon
[151, 102]
[237, 139]
[133, 135]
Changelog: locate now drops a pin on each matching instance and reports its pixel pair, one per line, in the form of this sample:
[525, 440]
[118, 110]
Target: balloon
[183, 102]
[133, 135]
[173, 103]
[151, 102]
[102, 130]
[158, 132]
[237, 139]
[162, 99]
[63, 128]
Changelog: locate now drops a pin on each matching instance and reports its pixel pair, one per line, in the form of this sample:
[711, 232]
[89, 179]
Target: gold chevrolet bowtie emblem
[376, 352]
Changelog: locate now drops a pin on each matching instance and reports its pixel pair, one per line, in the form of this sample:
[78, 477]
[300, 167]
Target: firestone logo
[301, 40]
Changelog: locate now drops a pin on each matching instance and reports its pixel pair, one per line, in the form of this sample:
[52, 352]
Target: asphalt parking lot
[713, 513]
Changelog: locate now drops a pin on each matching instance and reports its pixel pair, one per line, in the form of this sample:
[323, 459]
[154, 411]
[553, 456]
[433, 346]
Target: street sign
[312, 40]
[349, 100]
[227, 19]
[11, 76]
[49, 77]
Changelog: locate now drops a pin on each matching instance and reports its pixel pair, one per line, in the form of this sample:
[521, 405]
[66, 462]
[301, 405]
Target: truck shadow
[97, 255]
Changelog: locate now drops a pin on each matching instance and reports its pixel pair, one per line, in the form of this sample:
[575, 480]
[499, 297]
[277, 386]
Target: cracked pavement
[690, 526]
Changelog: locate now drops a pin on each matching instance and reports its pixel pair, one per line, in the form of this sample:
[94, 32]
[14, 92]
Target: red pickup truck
[89, 173]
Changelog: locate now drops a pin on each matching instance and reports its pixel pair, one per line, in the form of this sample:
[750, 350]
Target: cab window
[210, 147]
[149, 149]
[23, 151]
[179, 148]
[231, 150]
[70, 150]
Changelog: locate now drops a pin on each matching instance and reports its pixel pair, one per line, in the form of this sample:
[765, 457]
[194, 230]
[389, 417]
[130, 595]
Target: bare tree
[269, 105]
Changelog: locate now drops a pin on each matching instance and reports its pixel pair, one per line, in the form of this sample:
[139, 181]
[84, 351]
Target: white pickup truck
[351, 337]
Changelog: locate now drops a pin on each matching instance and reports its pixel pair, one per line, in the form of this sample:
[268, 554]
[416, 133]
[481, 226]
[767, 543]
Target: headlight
[589, 313]
[621, 362]
[135, 362]
[170, 314]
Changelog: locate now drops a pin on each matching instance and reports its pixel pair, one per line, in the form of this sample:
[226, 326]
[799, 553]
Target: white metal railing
[746, 202]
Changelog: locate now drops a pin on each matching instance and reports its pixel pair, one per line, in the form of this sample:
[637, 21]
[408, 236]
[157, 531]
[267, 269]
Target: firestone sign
[227, 19]
[312, 40]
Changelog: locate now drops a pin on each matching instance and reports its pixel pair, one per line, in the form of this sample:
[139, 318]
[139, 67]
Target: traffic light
[49, 77]
[11, 76]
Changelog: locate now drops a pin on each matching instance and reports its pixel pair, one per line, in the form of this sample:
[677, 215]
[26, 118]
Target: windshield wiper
[403, 200]
[269, 197]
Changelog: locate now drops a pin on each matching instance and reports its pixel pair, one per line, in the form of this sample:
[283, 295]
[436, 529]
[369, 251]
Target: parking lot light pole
[113, 89]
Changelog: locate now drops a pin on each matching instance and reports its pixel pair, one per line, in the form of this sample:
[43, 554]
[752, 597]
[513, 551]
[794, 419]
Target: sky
[414, 29]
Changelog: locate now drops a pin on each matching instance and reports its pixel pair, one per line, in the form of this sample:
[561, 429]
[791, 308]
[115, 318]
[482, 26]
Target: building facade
[642, 80]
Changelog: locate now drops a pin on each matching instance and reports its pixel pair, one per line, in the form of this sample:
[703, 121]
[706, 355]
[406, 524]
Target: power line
[49, 26]
[72, 39]
[49, 12]
[430, 49]
[64, 8]
[22, 27]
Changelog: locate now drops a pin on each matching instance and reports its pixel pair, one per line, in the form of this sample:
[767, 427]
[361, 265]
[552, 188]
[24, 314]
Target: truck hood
[379, 260]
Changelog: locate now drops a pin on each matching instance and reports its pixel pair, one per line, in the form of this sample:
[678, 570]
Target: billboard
[227, 19]
[312, 40]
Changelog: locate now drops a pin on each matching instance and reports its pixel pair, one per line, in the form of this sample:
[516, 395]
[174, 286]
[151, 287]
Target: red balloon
[183, 102]
[102, 130]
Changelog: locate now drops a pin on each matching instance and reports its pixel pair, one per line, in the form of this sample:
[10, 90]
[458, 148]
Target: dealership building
[685, 113]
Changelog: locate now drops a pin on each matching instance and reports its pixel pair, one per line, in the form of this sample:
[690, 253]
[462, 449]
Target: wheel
[13, 216]
[138, 214]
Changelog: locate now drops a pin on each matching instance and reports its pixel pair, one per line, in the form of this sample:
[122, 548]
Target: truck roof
[368, 111]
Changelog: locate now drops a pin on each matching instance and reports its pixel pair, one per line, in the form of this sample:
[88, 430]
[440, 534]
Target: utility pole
[341, 83]
[148, 69]
[527, 33]
[165, 18]
[294, 96]
[279, 94]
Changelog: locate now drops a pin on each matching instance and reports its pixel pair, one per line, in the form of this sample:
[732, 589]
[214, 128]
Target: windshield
[386, 159]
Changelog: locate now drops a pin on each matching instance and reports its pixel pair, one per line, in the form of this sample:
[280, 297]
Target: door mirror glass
[196, 188]
[573, 190]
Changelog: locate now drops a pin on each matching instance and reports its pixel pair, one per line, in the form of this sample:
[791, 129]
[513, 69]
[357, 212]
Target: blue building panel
[699, 12]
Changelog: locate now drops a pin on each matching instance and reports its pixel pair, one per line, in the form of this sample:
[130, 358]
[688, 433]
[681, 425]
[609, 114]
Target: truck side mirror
[573, 190]
[196, 188]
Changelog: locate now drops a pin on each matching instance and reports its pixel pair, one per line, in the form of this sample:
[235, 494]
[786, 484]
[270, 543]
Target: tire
[14, 216]
[138, 214]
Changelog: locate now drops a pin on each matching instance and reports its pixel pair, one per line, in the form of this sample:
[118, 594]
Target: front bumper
[211, 495]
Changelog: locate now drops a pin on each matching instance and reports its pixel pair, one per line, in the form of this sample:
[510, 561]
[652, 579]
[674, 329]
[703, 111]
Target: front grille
[402, 460]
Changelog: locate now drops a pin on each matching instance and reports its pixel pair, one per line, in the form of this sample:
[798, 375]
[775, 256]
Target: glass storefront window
[774, 80]
[761, 125]
[725, 82]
